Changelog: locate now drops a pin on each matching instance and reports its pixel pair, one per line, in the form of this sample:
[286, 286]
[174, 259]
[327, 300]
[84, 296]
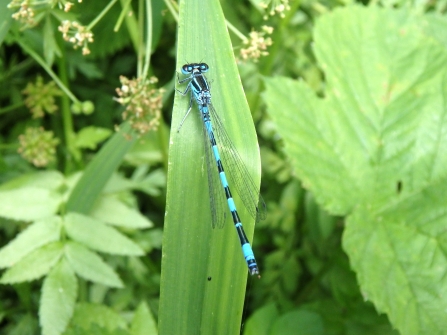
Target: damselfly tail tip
[255, 271]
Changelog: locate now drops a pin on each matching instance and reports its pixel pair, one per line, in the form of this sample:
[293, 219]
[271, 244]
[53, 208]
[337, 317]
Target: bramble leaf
[374, 148]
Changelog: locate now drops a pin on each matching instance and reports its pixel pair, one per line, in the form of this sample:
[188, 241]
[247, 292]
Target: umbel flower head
[77, 34]
[40, 97]
[28, 10]
[38, 146]
[277, 7]
[143, 103]
[257, 44]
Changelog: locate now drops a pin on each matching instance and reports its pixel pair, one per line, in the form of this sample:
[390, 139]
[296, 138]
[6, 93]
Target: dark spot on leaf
[399, 187]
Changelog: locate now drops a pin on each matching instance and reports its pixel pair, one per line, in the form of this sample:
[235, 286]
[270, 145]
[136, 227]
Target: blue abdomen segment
[246, 247]
[248, 252]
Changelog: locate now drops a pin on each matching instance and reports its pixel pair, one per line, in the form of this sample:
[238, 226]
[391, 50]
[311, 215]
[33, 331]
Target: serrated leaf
[34, 265]
[360, 140]
[59, 292]
[87, 314]
[90, 137]
[110, 210]
[36, 235]
[376, 140]
[98, 236]
[143, 322]
[50, 180]
[398, 252]
[90, 266]
[29, 203]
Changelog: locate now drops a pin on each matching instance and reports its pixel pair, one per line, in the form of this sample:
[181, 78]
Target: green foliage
[353, 167]
[373, 149]
[58, 300]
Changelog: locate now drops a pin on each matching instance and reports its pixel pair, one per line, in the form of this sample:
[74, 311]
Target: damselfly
[214, 146]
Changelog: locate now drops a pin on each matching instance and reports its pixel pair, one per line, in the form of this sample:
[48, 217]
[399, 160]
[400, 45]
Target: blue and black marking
[245, 186]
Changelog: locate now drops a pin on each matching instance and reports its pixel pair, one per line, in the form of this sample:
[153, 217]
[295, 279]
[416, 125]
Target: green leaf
[299, 321]
[87, 314]
[36, 235]
[98, 172]
[29, 203]
[5, 19]
[26, 325]
[90, 137]
[260, 323]
[34, 265]
[59, 292]
[374, 144]
[49, 180]
[148, 150]
[50, 47]
[98, 236]
[150, 183]
[112, 211]
[143, 322]
[192, 250]
[90, 266]
[398, 252]
[345, 144]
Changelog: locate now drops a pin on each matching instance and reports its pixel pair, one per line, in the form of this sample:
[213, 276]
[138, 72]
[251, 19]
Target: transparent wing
[240, 179]
[216, 192]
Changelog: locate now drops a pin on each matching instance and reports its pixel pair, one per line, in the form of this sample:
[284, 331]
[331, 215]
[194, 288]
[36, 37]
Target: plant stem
[148, 49]
[101, 15]
[50, 72]
[236, 31]
[174, 11]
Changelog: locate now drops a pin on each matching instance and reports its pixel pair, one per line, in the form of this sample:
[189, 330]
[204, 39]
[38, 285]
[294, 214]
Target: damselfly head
[187, 68]
[195, 67]
[203, 67]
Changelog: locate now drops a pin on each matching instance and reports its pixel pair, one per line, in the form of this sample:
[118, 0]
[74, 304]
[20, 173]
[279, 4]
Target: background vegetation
[104, 219]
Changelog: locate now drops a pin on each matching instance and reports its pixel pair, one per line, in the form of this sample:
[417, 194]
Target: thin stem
[125, 5]
[101, 15]
[10, 108]
[9, 146]
[131, 24]
[45, 66]
[148, 51]
[140, 38]
[236, 31]
[174, 11]
[67, 120]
